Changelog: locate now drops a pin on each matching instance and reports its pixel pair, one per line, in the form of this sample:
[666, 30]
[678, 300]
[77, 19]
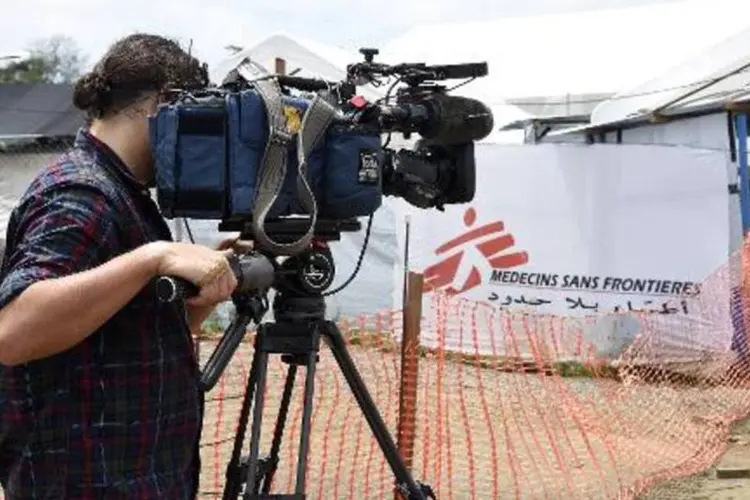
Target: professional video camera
[222, 153]
[252, 149]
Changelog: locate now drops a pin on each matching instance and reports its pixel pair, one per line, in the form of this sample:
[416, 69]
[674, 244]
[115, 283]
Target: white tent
[718, 74]
[690, 105]
[699, 103]
[504, 114]
[303, 57]
[602, 51]
[312, 59]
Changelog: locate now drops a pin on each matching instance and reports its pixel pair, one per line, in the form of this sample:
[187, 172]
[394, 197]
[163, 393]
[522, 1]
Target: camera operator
[99, 394]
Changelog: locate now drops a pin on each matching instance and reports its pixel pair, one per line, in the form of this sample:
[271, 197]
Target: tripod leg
[278, 431]
[304, 442]
[252, 468]
[404, 479]
[234, 478]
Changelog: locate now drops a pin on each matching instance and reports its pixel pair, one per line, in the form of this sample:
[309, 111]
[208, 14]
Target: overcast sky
[212, 24]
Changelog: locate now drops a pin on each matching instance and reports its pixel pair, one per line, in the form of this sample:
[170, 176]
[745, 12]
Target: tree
[56, 59]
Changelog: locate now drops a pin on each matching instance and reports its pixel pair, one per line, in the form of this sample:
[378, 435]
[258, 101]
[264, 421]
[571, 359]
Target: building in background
[37, 122]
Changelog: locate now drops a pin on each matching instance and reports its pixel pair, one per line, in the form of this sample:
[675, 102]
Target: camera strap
[315, 122]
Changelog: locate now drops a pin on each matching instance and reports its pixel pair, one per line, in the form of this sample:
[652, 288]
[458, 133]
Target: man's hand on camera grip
[205, 267]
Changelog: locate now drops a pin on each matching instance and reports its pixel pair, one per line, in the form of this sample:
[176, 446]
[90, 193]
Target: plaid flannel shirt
[119, 415]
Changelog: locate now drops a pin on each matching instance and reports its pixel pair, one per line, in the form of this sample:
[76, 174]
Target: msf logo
[472, 256]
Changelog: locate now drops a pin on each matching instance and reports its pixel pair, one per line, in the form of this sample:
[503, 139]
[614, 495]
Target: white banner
[579, 229]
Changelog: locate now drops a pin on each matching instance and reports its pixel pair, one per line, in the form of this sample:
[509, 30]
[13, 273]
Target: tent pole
[741, 127]
[740, 291]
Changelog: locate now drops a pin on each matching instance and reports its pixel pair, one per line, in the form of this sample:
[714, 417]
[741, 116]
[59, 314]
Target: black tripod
[297, 340]
[299, 310]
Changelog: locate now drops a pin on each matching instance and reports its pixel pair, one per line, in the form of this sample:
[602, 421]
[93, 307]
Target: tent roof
[504, 114]
[315, 59]
[713, 81]
[29, 110]
[599, 51]
[311, 57]
[308, 58]
[719, 75]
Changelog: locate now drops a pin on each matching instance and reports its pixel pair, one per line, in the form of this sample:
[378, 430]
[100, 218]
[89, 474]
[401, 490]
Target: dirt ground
[481, 433]
[708, 486]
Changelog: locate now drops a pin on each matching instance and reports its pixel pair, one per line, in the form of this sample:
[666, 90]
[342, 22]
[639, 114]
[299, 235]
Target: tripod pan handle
[170, 288]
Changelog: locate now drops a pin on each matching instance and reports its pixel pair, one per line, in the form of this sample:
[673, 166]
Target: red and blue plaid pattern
[119, 415]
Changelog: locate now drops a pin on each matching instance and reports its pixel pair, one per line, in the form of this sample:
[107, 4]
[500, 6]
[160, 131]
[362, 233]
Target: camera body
[251, 150]
[209, 151]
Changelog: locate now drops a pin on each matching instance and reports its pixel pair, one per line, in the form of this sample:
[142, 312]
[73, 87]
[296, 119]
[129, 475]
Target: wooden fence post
[409, 369]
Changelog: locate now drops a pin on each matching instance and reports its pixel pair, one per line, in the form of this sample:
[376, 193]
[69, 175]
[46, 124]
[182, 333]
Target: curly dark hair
[135, 66]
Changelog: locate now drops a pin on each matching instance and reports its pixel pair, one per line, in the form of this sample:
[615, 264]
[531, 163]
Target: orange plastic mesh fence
[514, 405]
[511, 404]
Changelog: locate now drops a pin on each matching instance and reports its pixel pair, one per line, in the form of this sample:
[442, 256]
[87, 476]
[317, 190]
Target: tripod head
[308, 273]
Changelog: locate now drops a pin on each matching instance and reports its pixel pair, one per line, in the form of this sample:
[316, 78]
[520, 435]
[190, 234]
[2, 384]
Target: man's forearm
[73, 306]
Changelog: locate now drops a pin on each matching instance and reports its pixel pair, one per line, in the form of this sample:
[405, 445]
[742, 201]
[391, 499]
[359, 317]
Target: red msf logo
[474, 254]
